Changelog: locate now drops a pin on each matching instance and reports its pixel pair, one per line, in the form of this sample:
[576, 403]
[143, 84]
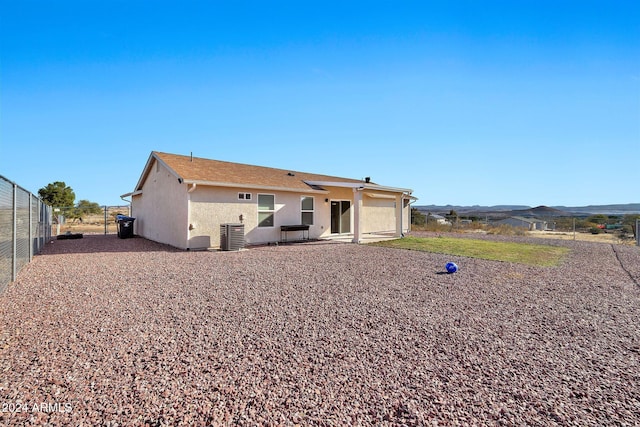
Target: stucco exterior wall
[161, 209]
[379, 215]
[209, 207]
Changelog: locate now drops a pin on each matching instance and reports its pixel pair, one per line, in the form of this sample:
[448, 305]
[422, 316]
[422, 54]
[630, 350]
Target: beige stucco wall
[161, 209]
[381, 214]
[209, 207]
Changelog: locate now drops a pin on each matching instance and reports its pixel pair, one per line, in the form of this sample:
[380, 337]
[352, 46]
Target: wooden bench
[284, 229]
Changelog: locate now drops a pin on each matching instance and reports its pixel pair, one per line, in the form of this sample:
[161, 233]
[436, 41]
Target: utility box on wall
[231, 237]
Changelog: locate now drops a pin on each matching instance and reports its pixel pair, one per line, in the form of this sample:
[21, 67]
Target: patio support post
[399, 212]
[357, 215]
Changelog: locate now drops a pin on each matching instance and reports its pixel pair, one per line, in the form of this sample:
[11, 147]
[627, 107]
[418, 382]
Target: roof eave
[133, 193]
[359, 186]
[253, 186]
[147, 170]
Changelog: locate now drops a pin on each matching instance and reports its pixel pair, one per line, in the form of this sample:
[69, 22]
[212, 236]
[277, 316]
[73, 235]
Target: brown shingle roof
[216, 171]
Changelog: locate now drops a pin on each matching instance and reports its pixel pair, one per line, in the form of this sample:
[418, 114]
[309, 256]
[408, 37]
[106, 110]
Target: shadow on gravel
[294, 243]
[96, 243]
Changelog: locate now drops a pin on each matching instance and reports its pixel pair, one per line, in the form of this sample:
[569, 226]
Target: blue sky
[465, 102]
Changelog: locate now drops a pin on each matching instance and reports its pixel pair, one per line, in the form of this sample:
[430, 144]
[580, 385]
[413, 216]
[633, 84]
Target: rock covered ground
[105, 331]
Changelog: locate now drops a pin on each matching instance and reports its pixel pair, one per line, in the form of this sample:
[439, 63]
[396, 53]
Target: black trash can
[124, 225]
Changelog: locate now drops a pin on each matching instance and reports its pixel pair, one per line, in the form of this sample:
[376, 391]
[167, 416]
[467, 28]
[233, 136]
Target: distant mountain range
[528, 211]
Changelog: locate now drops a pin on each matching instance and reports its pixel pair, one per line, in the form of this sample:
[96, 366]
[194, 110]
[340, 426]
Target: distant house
[439, 219]
[182, 201]
[530, 224]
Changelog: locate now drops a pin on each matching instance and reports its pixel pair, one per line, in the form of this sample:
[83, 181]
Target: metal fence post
[30, 228]
[49, 218]
[637, 232]
[14, 236]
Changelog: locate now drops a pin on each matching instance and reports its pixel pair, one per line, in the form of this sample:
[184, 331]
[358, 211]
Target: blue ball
[451, 267]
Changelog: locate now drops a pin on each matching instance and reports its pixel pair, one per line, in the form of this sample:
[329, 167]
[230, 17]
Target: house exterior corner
[160, 208]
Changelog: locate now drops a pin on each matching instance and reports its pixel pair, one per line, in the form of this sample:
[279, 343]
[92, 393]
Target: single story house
[439, 219]
[530, 224]
[183, 200]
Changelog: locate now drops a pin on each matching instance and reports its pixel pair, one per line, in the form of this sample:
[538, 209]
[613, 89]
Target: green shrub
[417, 217]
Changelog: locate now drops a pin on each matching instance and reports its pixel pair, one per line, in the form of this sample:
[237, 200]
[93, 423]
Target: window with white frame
[244, 196]
[306, 209]
[266, 210]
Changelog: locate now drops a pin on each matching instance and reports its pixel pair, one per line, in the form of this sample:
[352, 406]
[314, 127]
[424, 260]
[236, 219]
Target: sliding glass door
[340, 216]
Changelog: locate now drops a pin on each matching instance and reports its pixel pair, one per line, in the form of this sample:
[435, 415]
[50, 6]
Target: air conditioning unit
[231, 237]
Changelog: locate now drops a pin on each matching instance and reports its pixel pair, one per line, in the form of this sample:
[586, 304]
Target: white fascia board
[335, 184]
[133, 193]
[359, 186]
[147, 170]
[381, 196]
[390, 189]
[254, 187]
[389, 196]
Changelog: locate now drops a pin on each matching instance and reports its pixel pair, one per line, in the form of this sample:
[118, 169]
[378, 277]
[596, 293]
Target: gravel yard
[105, 331]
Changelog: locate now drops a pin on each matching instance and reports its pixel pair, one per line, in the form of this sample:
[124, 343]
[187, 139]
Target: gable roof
[196, 170]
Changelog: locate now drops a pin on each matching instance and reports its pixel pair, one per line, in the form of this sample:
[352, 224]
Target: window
[244, 196]
[306, 207]
[266, 210]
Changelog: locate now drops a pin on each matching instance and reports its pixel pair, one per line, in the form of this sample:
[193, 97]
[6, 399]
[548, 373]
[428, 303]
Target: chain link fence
[25, 227]
[102, 221]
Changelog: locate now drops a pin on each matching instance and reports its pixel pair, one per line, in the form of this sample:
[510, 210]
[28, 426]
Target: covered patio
[364, 238]
[370, 203]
